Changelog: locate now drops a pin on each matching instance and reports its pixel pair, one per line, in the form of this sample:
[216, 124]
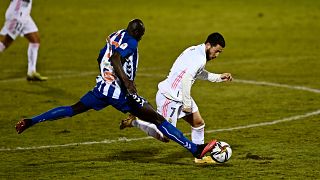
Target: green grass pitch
[269, 114]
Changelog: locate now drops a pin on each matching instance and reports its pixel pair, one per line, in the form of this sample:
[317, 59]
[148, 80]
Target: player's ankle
[200, 148]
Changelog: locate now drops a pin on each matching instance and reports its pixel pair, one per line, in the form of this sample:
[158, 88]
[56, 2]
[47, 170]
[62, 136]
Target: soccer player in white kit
[174, 99]
[19, 22]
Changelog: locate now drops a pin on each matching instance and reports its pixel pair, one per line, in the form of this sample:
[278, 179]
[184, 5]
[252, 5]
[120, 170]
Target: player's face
[213, 51]
[139, 34]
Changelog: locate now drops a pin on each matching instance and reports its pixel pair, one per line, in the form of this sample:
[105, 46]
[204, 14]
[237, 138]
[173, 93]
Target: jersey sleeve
[186, 90]
[206, 75]
[127, 48]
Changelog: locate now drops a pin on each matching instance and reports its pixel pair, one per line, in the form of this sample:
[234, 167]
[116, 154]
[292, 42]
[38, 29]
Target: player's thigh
[141, 108]
[147, 113]
[78, 108]
[30, 30]
[92, 101]
[168, 108]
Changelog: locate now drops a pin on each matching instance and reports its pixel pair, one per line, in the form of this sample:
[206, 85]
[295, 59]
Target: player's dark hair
[136, 28]
[216, 38]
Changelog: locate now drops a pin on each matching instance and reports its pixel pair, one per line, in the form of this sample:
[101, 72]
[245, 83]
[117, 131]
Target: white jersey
[191, 61]
[18, 19]
[19, 9]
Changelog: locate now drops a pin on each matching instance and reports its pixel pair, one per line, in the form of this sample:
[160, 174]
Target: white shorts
[14, 27]
[172, 110]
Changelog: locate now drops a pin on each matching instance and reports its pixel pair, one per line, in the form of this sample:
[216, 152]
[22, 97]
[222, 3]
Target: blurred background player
[19, 22]
[174, 99]
[118, 62]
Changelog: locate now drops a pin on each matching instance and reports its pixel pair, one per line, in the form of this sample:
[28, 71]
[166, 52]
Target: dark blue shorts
[97, 101]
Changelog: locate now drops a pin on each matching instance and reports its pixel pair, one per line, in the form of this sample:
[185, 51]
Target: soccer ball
[221, 152]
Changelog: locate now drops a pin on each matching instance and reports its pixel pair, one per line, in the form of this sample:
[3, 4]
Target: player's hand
[131, 87]
[187, 109]
[226, 77]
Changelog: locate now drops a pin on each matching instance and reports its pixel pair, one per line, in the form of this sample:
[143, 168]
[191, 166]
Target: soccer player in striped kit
[174, 99]
[19, 22]
[118, 62]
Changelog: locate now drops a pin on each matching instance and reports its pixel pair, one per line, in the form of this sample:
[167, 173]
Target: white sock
[197, 134]
[149, 128]
[32, 57]
[2, 47]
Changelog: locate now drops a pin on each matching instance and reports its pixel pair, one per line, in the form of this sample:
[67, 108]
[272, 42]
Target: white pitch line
[292, 118]
[106, 141]
[277, 85]
[69, 74]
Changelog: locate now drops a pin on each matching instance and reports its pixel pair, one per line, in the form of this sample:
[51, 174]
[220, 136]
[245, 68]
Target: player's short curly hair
[216, 38]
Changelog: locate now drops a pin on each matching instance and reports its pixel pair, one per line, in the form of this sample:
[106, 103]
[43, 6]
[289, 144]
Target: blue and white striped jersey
[107, 82]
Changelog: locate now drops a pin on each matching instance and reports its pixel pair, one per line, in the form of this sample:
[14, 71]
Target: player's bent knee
[160, 119]
[78, 108]
[33, 37]
[198, 123]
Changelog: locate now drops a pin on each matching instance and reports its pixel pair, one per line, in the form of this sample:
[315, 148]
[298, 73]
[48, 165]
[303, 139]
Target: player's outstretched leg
[53, 114]
[152, 130]
[174, 134]
[149, 128]
[147, 113]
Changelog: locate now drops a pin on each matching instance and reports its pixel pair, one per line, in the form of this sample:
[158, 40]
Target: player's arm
[117, 67]
[186, 83]
[205, 75]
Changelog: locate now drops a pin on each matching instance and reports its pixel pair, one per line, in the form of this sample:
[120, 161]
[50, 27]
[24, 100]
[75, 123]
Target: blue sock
[53, 114]
[174, 134]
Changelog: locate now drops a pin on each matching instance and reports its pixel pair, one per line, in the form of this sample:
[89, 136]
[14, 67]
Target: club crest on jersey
[124, 46]
[108, 77]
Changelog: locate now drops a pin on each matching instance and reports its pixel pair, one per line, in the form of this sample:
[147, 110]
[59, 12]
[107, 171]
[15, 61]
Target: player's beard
[208, 54]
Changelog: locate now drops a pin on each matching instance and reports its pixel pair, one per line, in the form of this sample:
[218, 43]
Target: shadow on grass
[150, 155]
